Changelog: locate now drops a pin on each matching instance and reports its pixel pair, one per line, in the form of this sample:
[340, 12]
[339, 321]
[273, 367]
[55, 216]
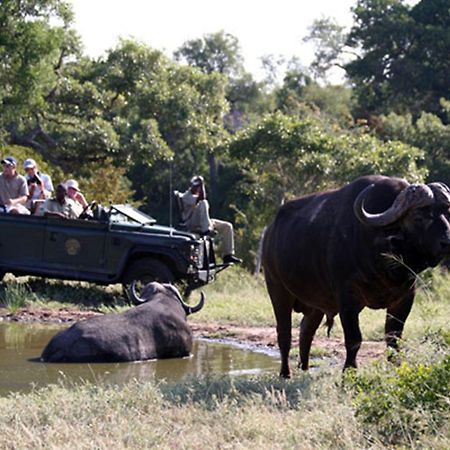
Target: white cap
[29, 163]
[72, 184]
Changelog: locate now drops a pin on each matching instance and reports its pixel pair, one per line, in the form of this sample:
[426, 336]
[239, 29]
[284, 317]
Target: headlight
[196, 256]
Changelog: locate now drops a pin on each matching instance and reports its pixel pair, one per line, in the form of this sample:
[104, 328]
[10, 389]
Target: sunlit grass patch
[238, 297]
[15, 296]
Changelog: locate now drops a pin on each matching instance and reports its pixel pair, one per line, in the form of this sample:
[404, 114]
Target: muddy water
[22, 344]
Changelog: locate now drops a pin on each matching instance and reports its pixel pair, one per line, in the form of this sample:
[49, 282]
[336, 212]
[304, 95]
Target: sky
[264, 27]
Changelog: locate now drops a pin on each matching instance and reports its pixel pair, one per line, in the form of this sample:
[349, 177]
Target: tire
[143, 271]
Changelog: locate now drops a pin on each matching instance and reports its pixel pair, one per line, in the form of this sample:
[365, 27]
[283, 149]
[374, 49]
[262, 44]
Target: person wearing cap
[74, 193]
[13, 188]
[60, 206]
[40, 185]
[195, 214]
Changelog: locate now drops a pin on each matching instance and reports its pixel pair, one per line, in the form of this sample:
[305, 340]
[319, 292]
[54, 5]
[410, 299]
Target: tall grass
[15, 295]
[312, 411]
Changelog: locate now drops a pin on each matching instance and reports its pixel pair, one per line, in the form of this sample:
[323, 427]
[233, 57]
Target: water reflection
[22, 344]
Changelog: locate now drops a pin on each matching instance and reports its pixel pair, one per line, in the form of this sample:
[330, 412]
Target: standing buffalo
[338, 251]
[155, 329]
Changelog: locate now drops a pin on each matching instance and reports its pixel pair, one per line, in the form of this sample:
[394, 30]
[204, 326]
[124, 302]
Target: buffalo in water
[155, 329]
[338, 251]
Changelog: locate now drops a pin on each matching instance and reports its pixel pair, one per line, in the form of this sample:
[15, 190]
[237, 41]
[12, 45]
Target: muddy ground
[254, 336]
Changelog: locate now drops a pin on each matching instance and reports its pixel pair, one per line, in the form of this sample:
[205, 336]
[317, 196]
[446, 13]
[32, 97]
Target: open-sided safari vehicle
[119, 244]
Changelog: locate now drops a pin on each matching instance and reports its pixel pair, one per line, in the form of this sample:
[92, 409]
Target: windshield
[128, 214]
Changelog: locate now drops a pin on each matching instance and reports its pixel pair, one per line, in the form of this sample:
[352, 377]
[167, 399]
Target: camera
[34, 179]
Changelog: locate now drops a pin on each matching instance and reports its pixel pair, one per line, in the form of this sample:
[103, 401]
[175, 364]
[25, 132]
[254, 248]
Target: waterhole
[20, 369]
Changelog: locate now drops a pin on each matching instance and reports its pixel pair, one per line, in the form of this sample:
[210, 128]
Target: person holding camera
[195, 213]
[40, 185]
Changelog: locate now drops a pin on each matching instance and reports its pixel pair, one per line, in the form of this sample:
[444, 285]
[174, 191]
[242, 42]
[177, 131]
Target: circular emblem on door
[72, 247]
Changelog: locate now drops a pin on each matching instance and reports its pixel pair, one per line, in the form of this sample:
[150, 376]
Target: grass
[237, 297]
[383, 405]
[14, 296]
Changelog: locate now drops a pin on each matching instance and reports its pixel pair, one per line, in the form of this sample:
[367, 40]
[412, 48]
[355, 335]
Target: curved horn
[134, 292]
[196, 308]
[441, 193]
[415, 195]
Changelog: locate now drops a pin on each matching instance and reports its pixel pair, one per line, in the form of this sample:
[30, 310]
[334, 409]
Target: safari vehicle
[119, 244]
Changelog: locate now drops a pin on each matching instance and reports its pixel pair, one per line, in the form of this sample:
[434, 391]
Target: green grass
[15, 296]
[238, 297]
[383, 405]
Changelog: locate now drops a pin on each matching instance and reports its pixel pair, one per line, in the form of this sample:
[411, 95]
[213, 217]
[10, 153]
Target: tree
[283, 156]
[404, 62]
[329, 39]
[429, 133]
[216, 52]
[35, 41]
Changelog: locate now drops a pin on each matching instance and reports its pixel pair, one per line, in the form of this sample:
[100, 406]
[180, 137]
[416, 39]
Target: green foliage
[329, 39]
[35, 39]
[216, 52]
[428, 132]
[404, 60]
[107, 184]
[283, 157]
[412, 396]
[14, 296]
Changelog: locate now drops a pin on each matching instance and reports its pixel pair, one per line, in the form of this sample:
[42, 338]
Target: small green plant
[411, 396]
[15, 296]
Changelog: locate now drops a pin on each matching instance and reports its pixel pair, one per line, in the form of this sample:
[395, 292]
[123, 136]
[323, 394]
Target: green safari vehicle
[119, 244]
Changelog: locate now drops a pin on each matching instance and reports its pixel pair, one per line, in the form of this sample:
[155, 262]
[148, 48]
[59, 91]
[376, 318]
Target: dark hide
[321, 260]
[156, 329]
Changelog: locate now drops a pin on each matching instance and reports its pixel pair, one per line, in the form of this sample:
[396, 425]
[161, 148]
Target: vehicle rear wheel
[144, 271]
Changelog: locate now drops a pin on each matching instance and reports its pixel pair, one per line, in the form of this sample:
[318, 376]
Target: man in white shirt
[40, 185]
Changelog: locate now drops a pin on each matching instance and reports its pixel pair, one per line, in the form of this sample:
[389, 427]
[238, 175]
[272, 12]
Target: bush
[412, 397]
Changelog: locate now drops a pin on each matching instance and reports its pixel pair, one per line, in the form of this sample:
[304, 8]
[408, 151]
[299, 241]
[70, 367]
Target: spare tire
[143, 271]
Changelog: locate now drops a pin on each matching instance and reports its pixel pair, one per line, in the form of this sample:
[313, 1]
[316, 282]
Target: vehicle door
[75, 245]
[21, 240]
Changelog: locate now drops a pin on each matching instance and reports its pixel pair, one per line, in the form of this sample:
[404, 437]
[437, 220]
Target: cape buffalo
[155, 329]
[338, 251]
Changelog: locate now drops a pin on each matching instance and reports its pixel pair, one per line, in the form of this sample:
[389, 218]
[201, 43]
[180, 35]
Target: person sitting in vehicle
[195, 214]
[61, 206]
[74, 193]
[40, 185]
[13, 188]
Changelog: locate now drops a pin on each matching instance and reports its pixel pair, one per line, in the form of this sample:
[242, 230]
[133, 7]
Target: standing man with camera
[40, 185]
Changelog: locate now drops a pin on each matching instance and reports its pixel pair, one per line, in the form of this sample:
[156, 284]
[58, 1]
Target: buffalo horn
[441, 193]
[135, 294]
[196, 308]
[413, 196]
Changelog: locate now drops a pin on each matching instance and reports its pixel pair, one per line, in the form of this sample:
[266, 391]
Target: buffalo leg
[284, 334]
[308, 327]
[352, 334]
[395, 321]
[282, 302]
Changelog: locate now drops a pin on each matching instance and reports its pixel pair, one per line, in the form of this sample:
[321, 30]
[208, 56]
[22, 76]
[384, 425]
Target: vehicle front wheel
[144, 271]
